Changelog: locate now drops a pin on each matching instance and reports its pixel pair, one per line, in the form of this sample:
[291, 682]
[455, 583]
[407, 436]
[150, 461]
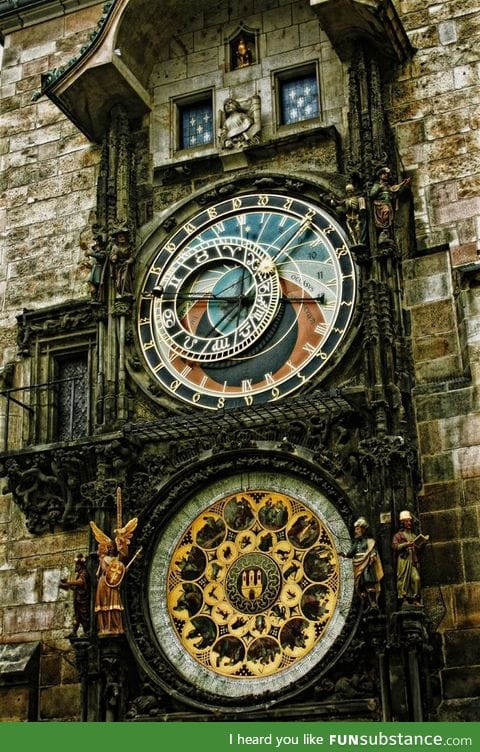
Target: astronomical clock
[245, 372]
[240, 308]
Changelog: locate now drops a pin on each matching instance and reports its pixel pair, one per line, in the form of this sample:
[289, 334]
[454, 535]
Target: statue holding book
[406, 550]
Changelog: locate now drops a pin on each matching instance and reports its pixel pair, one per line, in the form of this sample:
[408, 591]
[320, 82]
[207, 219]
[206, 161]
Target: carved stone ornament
[46, 487]
[240, 122]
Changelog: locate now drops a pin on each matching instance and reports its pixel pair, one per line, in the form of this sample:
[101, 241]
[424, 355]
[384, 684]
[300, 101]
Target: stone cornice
[19, 14]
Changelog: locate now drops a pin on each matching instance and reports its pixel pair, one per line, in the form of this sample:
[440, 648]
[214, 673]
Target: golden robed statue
[111, 572]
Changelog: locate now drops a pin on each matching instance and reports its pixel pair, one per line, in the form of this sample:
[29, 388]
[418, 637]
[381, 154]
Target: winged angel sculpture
[110, 573]
[239, 123]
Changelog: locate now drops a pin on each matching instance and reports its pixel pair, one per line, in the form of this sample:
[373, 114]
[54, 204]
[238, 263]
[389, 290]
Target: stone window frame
[177, 104]
[50, 355]
[54, 335]
[289, 74]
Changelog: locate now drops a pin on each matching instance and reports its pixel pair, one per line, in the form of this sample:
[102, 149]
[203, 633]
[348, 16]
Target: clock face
[246, 590]
[246, 301]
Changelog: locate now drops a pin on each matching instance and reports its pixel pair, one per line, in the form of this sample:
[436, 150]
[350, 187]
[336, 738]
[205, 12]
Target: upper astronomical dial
[229, 282]
[246, 301]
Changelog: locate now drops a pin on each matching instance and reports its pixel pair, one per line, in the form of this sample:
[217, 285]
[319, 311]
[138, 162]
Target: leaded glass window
[72, 398]
[299, 99]
[196, 124]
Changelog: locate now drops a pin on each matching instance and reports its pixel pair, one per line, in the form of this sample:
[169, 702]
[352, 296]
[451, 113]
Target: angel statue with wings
[111, 571]
[239, 122]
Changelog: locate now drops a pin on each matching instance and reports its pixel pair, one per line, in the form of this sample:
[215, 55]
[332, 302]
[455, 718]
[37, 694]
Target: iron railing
[41, 424]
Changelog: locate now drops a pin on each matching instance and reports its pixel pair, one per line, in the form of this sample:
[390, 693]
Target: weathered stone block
[441, 564]
[29, 618]
[309, 33]
[50, 585]
[471, 488]
[277, 18]
[424, 266]
[466, 75]
[60, 703]
[471, 555]
[446, 404]
[435, 347]
[467, 606]
[467, 461]
[171, 70]
[85, 18]
[207, 39]
[260, 6]
[14, 704]
[433, 318]
[57, 544]
[462, 647]
[18, 588]
[464, 254]
[446, 368]
[438, 126]
[282, 40]
[50, 669]
[461, 682]
[453, 524]
[200, 63]
[218, 13]
[447, 32]
[467, 207]
[438, 496]
[462, 711]
[432, 288]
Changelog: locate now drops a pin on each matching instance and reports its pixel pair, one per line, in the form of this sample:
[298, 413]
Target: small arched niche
[241, 48]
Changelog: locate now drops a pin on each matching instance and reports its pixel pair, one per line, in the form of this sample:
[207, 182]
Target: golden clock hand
[307, 224]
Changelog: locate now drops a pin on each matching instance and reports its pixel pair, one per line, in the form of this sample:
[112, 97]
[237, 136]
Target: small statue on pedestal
[121, 259]
[383, 192]
[367, 567]
[81, 596]
[406, 549]
[96, 277]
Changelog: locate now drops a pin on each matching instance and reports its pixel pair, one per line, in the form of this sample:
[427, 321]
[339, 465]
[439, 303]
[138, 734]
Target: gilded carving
[252, 584]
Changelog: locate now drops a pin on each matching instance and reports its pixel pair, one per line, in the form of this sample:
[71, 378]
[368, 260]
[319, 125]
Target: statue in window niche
[384, 194]
[96, 277]
[243, 55]
[239, 122]
[367, 567]
[121, 260]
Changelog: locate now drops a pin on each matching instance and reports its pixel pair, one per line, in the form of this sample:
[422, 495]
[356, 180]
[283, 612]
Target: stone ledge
[31, 12]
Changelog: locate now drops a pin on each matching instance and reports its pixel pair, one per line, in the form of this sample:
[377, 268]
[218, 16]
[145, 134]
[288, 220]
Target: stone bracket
[373, 22]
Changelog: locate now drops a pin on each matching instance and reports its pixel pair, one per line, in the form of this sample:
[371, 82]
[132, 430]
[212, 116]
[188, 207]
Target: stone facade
[434, 107]
[49, 172]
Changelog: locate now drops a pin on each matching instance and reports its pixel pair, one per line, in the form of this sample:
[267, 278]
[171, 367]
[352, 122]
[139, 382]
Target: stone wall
[48, 178]
[47, 175]
[34, 609]
[434, 107]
